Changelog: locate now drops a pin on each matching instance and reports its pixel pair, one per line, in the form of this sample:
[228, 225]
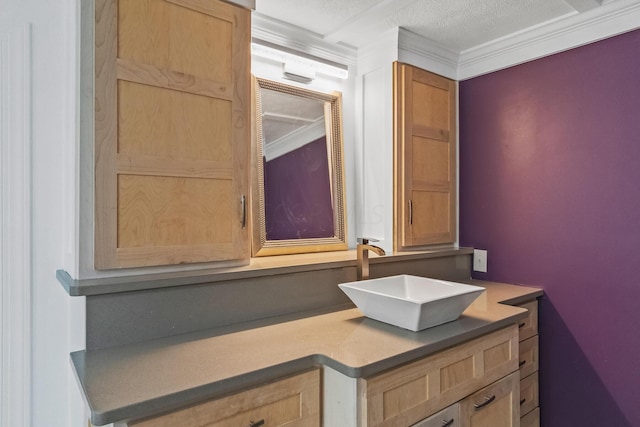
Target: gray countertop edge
[426, 350]
[128, 283]
[198, 394]
[470, 328]
[191, 396]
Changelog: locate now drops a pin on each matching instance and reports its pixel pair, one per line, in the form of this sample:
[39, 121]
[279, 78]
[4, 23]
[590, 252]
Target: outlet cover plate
[480, 260]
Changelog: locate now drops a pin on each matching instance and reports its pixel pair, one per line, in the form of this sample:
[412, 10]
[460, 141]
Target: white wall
[56, 319]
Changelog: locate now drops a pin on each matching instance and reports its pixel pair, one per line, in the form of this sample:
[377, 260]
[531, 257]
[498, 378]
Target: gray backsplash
[126, 317]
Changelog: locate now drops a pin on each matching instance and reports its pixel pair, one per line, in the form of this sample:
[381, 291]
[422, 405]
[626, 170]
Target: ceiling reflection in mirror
[299, 188]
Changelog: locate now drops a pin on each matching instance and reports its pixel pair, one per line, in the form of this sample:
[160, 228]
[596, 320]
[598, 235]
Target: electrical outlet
[480, 260]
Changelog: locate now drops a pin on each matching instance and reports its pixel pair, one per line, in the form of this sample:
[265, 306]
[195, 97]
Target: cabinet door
[494, 406]
[448, 417]
[412, 392]
[532, 419]
[529, 326]
[291, 402]
[172, 91]
[425, 153]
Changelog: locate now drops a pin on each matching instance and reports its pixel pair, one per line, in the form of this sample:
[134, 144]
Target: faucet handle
[366, 240]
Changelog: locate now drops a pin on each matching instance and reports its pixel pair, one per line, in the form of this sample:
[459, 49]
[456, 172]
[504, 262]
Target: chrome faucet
[362, 251]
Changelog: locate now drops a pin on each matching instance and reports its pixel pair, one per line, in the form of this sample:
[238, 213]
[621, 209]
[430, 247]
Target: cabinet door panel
[529, 326]
[291, 402]
[171, 132]
[425, 152]
[528, 356]
[171, 36]
[529, 393]
[496, 405]
[448, 417]
[532, 419]
[409, 393]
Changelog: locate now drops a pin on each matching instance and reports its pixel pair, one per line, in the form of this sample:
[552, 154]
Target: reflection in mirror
[298, 197]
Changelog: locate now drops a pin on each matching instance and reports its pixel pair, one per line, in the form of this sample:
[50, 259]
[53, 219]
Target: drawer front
[532, 419]
[529, 393]
[529, 326]
[528, 356]
[294, 402]
[495, 405]
[412, 392]
[448, 417]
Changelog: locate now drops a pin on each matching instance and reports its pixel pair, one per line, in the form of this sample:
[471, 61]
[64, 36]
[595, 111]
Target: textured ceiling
[456, 24]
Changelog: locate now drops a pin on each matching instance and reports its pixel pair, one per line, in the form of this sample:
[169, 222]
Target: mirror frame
[333, 108]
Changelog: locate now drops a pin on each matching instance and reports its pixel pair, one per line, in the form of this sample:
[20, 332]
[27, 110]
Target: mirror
[298, 185]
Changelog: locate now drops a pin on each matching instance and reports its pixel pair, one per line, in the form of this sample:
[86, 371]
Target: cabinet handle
[521, 325]
[256, 424]
[522, 401]
[521, 364]
[410, 212]
[487, 400]
[243, 209]
[446, 423]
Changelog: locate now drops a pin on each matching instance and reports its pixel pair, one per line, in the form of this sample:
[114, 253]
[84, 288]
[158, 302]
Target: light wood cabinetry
[291, 402]
[172, 123]
[413, 392]
[532, 419]
[448, 417]
[425, 158]
[495, 405]
[529, 393]
[528, 362]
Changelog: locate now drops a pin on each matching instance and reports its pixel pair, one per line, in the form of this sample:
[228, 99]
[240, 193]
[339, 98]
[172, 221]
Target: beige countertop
[147, 378]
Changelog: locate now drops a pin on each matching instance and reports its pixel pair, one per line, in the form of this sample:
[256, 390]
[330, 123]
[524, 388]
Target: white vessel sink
[411, 302]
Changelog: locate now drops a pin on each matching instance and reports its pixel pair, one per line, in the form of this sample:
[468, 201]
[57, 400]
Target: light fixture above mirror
[299, 66]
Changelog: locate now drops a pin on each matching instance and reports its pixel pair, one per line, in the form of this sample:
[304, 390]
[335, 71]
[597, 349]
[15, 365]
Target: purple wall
[550, 186]
[297, 194]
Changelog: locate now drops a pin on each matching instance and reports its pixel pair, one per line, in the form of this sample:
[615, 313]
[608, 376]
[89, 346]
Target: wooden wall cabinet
[424, 158]
[172, 132]
[291, 402]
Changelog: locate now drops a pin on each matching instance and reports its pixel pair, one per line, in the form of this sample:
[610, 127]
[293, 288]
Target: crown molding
[428, 54]
[611, 19]
[380, 52]
[297, 38]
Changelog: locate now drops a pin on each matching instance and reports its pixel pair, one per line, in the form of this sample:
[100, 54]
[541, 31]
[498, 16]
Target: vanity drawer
[294, 402]
[529, 393]
[493, 406]
[532, 419]
[529, 325]
[528, 356]
[410, 393]
[448, 417]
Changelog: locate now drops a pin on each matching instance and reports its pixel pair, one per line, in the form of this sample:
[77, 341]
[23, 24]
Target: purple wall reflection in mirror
[297, 194]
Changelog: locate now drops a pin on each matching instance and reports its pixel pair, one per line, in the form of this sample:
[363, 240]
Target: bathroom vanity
[335, 368]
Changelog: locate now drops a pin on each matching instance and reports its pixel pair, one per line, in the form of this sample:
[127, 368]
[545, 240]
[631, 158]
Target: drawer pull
[521, 325]
[522, 401]
[522, 362]
[410, 212]
[487, 400]
[446, 423]
[256, 424]
[243, 211]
